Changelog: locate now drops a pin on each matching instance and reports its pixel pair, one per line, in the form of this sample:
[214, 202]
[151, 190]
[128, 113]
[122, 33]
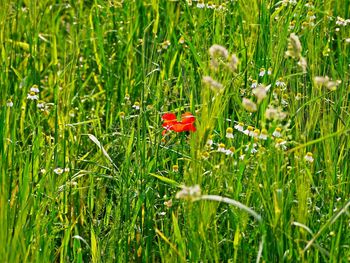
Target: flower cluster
[256, 133]
[263, 71]
[60, 171]
[210, 5]
[33, 93]
[172, 124]
[342, 22]
[222, 148]
[289, 2]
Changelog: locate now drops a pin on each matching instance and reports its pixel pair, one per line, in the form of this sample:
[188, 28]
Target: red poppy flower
[169, 117]
[187, 117]
[171, 123]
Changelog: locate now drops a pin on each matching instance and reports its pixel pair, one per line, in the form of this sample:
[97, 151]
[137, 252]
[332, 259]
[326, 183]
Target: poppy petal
[178, 127]
[169, 116]
[171, 123]
[189, 127]
[192, 127]
[187, 117]
[181, 127]
[168, 124]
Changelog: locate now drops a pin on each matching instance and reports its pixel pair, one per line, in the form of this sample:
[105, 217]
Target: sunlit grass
[88, 175]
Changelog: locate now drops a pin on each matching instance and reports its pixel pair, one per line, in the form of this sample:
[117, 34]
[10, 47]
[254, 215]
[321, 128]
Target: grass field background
[88, 175]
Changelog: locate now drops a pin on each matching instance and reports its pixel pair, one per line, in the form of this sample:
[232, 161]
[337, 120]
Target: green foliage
[88, 176]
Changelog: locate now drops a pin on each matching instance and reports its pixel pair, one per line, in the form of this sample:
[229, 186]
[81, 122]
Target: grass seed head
[294, 47]
[249, 105]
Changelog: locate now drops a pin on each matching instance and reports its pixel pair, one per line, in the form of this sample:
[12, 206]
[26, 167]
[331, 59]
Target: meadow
[174, 131]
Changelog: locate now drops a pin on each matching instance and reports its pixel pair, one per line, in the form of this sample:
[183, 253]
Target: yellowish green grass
[87, 174]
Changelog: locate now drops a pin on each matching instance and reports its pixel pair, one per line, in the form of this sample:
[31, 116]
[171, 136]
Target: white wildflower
[32, 96]
[254, 84]
[311, 16]
[9, 103]
[249, 131]
[166, 44]
[281, 144]
[309, 157]
[263, 135]
[41, 105]
[262, 72]
[210, 141]
[277, 132]
[239, 126]
[280, 83]
[251, 148]
[210, 5]
[58, 171]
[200, 5]
[256, 133]
[230, 151]
[341, 21]
[34, 89]
[136, 105]
[229, 133]
[221, 148]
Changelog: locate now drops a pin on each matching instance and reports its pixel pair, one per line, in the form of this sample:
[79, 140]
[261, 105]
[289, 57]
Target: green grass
[114, 199]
